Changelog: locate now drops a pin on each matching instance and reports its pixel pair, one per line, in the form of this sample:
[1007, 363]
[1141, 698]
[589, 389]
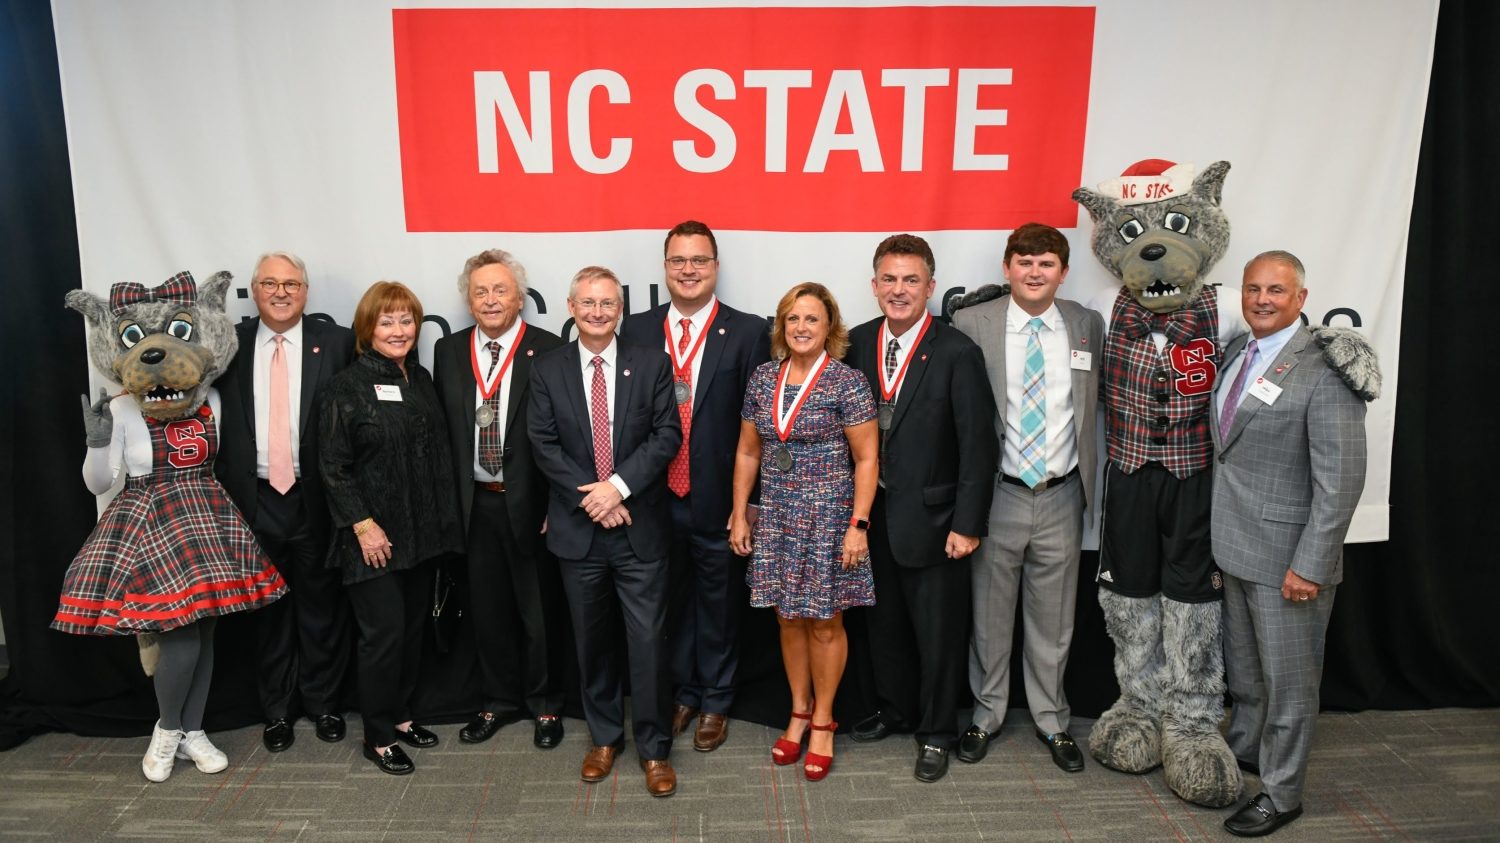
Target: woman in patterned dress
[805, 413]
[383, 452]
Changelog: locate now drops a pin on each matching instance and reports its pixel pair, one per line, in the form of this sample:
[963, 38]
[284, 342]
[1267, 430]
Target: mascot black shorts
[1155, 535]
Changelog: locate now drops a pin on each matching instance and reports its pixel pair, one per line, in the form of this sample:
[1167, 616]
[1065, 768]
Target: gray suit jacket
[985, 324]
[1288, 474]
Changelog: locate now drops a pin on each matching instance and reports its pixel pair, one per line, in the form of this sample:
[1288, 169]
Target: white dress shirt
[586, 360]
[1266, 351]
[904, 344]
[507, 341]
[265, 346]
[1062, 439]
[698, 324]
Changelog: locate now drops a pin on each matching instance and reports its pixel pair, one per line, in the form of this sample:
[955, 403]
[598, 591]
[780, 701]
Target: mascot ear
[1210, 183]
[1099, 206]
[95, 309]
[212, 291]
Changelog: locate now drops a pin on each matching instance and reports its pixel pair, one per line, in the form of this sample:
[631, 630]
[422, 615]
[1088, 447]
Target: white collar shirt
[481, 352]
[291, 348]
[904, 344]
[1061, 446]
[1266, 351]
[586, 361]
[697, 324]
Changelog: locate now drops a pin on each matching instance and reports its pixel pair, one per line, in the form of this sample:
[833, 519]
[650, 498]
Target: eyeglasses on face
[698, 261]
[270, 287]
[606, 305]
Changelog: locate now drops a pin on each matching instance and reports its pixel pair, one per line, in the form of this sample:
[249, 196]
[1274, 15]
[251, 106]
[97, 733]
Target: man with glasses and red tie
[713, 349]
[603, 426]
[268, 462]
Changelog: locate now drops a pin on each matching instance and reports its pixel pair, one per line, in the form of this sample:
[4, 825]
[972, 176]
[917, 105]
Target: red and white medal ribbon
[682, 368]
[487, 388]
[890, 385]
[785, 418]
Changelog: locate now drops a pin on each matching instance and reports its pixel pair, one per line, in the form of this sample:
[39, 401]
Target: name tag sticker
[1083, 361]
[1265, 390]
[387, 392]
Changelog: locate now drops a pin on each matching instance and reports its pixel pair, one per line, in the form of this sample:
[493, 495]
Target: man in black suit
[483, 376]
[603, 427]
[713, 348]
[938, 458]
[268, 462]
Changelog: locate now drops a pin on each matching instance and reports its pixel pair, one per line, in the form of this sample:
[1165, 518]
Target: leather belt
[1045, 484]
[491, 486]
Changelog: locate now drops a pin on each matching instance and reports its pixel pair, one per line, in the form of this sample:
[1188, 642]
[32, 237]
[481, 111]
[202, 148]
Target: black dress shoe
[871, 729]
[974, 745]
[417, 737]
[329, 727]
[1248, 766]
[932, 763]
[548, 733]
[1065, 753]
[1259, 817]
[394, 760]
[278, 736]
[480, 729]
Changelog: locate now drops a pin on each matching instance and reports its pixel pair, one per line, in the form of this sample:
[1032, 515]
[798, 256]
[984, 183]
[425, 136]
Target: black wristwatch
[859, 523]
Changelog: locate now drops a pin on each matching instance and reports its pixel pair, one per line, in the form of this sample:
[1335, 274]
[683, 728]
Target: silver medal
[783, 458]
[681, 391]
[884, 415]
[484, 415]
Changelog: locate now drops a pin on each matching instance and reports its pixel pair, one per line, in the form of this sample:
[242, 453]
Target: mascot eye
[1177, 221]
[181, 329]
[1132, 229]
[130, 334]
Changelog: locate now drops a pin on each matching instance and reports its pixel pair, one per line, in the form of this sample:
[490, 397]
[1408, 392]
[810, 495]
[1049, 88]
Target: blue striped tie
[1033, 409]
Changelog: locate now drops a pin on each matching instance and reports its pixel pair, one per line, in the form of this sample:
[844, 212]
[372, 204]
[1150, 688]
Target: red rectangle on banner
[823, 119]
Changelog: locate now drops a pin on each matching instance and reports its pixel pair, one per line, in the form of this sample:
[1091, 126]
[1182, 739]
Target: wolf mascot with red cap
[1159, 228]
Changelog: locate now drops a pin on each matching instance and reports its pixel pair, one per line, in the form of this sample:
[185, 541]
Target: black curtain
[1410, 628]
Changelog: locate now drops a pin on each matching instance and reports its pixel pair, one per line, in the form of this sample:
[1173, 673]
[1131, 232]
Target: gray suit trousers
[1274, 662]
[1032, 553]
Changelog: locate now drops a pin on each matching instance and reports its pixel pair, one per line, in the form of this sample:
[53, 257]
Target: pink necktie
[679, 479]
[279, 448]
[1236, 389]
[604, 463]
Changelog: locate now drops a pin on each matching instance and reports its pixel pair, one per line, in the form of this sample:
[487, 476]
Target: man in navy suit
[483, 377]
[713, 348]
[268, 462]
[603, 427]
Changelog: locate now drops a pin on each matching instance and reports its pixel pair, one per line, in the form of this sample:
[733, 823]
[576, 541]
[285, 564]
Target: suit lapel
[713, 349]
[577, 390]
[520, 376]
[245, 364]
[312, 367]
[920, 358]
[1077, 342]
[624, 380]
[1277, 372]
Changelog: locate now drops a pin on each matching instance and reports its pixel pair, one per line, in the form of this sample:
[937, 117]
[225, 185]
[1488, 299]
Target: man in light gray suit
[1039, 354]
[1289, 437]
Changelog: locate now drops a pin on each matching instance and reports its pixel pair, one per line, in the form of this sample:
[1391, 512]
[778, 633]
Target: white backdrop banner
[384, 141]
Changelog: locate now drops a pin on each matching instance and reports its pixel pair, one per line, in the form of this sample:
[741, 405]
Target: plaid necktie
[890, 367]
[604, 461]
[1232, 400]
[678, 476]
[490, 453]
[1034, 409]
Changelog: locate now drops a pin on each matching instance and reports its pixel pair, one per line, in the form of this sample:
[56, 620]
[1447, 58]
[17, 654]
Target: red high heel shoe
[785, 752]
[825, 762]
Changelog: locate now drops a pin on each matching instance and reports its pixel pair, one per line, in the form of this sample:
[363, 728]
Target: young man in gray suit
[1039, 353]
[1289, 437]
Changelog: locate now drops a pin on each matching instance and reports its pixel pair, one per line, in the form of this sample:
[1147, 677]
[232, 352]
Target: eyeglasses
[698, 261]
[606, 305]
[270, 287]
[908, 283]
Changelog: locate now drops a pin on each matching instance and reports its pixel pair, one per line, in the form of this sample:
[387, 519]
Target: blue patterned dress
[797, 565]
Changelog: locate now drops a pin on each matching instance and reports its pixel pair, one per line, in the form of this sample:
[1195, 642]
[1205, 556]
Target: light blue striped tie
[1033, 409]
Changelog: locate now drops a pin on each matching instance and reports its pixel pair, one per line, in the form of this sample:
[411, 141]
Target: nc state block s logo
[1194, 366]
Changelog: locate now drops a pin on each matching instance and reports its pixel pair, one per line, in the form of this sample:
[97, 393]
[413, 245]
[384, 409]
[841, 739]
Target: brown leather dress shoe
[682, 715]
[712, 730]
[598, 763]
[661, 779]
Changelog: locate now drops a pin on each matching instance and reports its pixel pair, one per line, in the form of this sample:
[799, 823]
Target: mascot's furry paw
[1351, 355]
[1126, 738]
[1198, 766]
[989, 292]
[150, 651]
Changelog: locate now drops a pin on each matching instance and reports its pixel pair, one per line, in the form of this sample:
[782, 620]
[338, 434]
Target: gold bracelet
[362, 527]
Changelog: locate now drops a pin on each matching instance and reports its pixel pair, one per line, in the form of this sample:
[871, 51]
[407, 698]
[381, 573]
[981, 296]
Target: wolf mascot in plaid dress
[170, 553]
[1160, 230]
